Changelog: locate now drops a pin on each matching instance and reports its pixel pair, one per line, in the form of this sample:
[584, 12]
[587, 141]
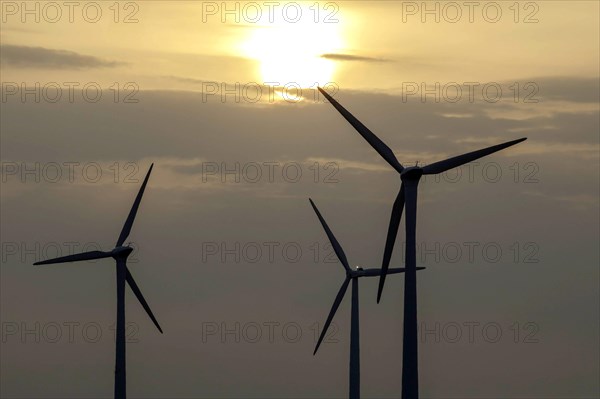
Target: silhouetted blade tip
[380, 289]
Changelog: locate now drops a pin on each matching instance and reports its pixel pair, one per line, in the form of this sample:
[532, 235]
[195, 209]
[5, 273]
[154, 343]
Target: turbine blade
[336, 245]
[136, 204]
[377, 272]
[76, 257]
[396, 270]
[368, 135]
[411, 226]
[442, 166]
[140, 297]
[401, 270]
[397, 209]
[336, 304]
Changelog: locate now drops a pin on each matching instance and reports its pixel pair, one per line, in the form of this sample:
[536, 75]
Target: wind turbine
[119, 254]
[353, 275]
[408, 194]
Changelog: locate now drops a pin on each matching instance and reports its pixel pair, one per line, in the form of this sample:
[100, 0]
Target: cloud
[567, 88]
[40, 57]
[248, 93]
[451, 115]
[543, 109]
[350, 57]
[349, 164]
[184, 79]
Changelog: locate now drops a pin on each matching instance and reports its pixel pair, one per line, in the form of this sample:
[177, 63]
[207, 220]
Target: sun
[292, 53]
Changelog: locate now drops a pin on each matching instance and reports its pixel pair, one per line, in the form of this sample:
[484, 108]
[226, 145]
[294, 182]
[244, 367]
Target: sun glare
[291, 53]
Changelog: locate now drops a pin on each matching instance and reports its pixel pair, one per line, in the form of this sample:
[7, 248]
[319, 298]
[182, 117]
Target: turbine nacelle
[122, 251]
[356, 272]
[411, 173]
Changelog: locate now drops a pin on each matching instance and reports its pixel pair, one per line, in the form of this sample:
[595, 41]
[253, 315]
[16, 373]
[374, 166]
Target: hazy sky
[230, 255]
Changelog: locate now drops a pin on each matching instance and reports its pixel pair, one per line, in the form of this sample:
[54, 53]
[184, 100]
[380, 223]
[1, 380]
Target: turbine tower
[408, 194]
[354, 275]
[119, 254]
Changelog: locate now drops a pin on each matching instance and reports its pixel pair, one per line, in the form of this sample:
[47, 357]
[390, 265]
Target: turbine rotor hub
[122, 251]
[411, 173]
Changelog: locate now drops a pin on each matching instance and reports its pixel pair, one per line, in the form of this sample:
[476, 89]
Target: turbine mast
[354, 344]
[120, 388]
[410, 375]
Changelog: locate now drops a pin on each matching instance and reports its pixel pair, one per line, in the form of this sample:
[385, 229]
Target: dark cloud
[184, 79]
[40, 57]
[350, 57]
[579, 89]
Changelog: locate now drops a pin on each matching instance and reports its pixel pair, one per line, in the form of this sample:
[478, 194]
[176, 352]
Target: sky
[222, 98]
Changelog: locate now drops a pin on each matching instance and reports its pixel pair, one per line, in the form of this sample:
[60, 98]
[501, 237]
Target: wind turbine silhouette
[354, 275]
[408, 193]
[120, 254]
